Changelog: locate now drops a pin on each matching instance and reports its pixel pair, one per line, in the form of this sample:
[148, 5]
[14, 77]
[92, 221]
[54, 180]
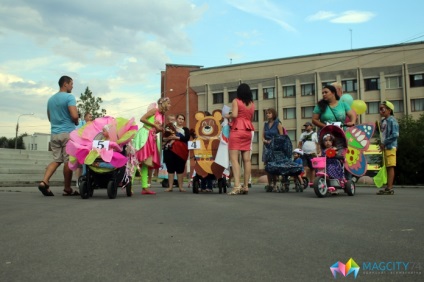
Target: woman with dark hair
[330, 109]
[272, 128]
[175, 157]
[240, 140]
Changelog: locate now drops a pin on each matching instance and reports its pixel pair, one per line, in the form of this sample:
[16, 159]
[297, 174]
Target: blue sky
[118, 48]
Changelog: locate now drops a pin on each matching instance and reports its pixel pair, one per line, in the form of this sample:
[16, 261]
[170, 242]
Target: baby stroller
[104, 176]
[330, 167]
[280, 163]
[101, 146]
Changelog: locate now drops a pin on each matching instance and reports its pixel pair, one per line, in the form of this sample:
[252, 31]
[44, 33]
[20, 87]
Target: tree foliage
[410, 155]
[10, 142]
[89, 103]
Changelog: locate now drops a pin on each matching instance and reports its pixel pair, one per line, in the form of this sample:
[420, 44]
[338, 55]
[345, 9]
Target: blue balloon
[347, 98]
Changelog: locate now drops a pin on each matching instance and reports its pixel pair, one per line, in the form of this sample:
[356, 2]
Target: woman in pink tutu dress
[146, 142]
[240, 140]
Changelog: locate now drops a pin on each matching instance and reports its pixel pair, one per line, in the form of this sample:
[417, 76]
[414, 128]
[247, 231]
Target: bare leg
[170, 182]
[390, 176]
[310, 172]
[236, 167]
[180, 178]
[247, 165]
[67, 176]
[51, 168]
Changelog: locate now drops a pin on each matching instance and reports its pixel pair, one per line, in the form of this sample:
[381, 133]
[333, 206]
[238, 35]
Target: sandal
[182, 190]
[386, 191]
[235, 191]
[169, 190]
[44, 189]
[70, 193]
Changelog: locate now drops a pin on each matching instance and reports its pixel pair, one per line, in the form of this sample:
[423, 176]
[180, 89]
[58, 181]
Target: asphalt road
[210, 237]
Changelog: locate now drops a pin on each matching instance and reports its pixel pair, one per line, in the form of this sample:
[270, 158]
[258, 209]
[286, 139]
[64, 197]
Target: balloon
[359, 106]
[347, 98]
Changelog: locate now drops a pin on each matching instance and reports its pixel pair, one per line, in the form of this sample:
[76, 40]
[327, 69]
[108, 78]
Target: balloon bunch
[358, 106]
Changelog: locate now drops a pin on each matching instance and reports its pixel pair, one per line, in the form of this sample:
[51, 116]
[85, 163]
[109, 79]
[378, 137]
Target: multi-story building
[293, 85]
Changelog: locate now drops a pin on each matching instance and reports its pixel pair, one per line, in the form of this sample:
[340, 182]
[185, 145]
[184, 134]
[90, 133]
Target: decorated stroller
[346, 154]
[102, 148]
[280, 163]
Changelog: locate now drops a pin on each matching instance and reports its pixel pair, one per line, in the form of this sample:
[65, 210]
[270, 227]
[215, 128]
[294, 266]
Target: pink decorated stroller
[330, 175]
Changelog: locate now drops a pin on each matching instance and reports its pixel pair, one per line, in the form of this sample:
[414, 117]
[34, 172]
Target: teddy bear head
[208, 126]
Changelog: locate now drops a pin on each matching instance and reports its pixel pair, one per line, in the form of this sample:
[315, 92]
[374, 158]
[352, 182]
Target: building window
[417, 105]
[326, 83]
[292, 134]
[372, 107]
[372, 84]
[398, 106]
[307, 112]
[254, 159]
[218, 98]
[232, 95]
[255, 137]
[256, 116]
[289, 91]
[254, 94]
[289, 113]
[269, 93]
[307, 89]
[393, 82]
[416, 80]
[350, 85]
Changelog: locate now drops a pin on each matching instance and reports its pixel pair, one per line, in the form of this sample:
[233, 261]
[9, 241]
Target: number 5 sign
[193, 145]
[101, 144]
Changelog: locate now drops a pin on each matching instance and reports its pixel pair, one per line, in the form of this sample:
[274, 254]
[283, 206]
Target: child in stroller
[330, 166]
[300, 181]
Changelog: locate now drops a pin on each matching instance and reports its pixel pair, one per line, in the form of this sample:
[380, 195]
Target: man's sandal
[45, 189]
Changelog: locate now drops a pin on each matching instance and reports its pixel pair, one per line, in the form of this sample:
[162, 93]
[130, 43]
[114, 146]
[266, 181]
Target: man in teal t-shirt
[63, 116]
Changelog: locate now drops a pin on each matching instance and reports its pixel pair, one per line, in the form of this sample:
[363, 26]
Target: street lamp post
[17, 128]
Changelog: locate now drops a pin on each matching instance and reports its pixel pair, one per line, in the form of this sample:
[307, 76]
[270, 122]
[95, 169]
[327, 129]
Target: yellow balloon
[359, 106]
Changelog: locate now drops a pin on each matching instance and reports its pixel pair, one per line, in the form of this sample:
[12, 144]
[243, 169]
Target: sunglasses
[382, 109]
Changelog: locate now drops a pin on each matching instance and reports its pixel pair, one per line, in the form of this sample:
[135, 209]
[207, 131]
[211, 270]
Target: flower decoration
[331, 153]
[118, 132]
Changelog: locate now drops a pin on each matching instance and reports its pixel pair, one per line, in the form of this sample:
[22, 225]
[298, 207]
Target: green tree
[410, 156]
[89, 103]
[10, 142]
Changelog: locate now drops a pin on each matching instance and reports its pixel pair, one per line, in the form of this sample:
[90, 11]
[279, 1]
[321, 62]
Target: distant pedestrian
[63, 116]
[389, 136]
[311, 149]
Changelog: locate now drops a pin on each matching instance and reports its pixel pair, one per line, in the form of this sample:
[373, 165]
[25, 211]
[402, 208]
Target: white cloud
[264, 9]
[347, 17]
[117, 48]
[353, 17]
[321, 15]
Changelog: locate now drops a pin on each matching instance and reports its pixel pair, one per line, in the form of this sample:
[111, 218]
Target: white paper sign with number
[101, 144]
[193, 145]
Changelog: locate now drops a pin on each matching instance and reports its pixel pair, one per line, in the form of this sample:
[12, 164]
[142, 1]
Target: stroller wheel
[83, 189]
[350, 188]
[112, 189]
[320, 187]
[128, 188]
[305, 183]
